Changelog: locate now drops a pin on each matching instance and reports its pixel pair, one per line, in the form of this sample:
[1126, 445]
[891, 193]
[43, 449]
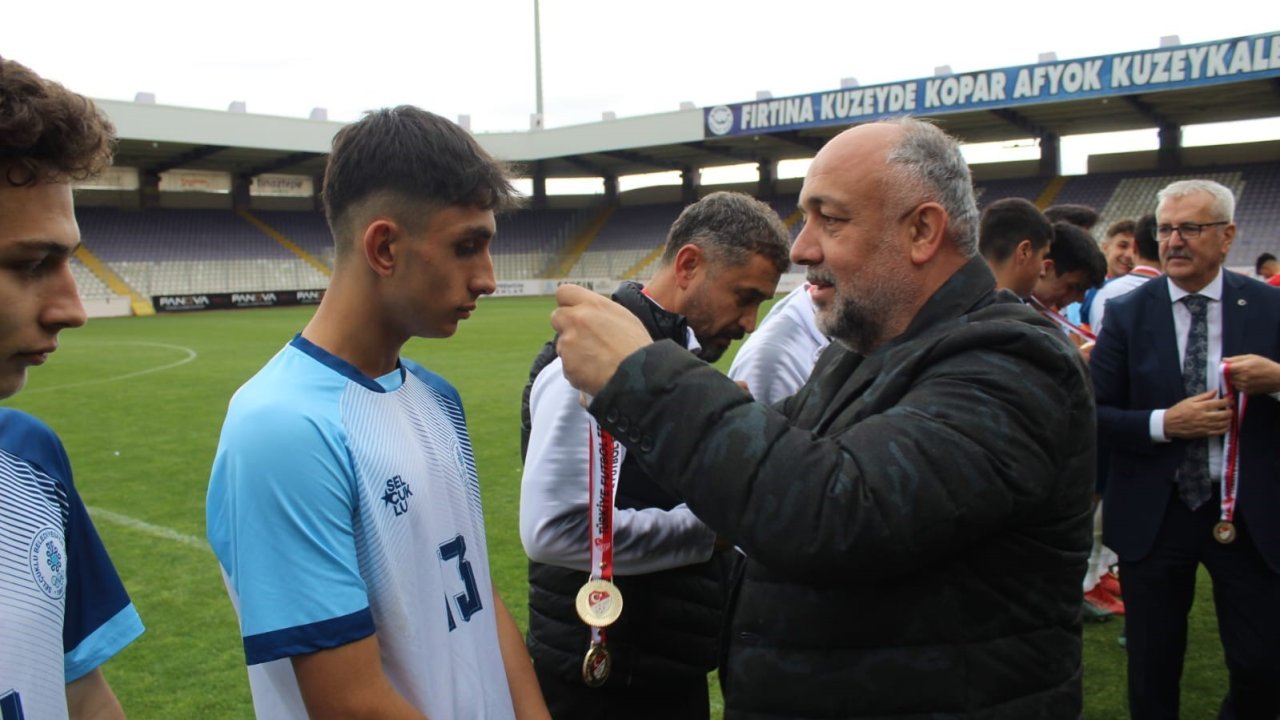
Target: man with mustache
[916, 518]
[722, 259]
[1193, 467]
[63, 610]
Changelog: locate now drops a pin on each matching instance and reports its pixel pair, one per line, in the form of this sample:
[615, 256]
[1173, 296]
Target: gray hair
[731, 227]
[1224, 201]
[927, 161]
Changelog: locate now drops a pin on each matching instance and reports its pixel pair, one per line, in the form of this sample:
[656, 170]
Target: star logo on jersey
[397, 495]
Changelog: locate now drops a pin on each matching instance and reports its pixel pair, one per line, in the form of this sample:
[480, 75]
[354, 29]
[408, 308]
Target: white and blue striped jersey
[340, 506]
[63, 610]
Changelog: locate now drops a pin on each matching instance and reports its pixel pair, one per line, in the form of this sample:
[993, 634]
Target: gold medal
[599, 603]
[1225, 532]
[596, 665]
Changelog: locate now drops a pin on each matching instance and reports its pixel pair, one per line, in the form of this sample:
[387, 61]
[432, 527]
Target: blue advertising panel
[1183, 66]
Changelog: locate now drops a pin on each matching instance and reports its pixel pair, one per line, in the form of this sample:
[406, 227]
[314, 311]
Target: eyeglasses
[1188, 231]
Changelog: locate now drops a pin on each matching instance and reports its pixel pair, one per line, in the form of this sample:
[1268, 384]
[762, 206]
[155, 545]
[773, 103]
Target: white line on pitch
[159, 531]
[191, 355]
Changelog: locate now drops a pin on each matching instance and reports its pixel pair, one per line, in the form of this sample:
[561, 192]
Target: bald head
[889, 216]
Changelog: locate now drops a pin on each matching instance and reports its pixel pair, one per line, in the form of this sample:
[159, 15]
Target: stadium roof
[1234, 79]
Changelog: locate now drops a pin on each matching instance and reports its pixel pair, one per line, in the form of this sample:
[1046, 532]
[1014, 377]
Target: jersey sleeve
[99, 620]
[280, 518]
[554, 519]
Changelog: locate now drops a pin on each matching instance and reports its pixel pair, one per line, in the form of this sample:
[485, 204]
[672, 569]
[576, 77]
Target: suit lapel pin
[1242, 301]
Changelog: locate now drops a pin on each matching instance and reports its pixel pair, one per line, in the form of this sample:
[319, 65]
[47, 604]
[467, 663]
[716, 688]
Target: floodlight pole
[537, 57]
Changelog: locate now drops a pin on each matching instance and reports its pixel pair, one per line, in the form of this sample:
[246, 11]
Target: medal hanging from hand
[1225, 531]
[599, 602]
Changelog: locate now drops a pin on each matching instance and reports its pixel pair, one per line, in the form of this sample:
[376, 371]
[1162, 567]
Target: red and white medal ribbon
[1231, 445]
[603, 602]
[1058, 319]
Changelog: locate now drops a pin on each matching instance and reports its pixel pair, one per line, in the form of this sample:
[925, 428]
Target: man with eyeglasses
[1194, 475]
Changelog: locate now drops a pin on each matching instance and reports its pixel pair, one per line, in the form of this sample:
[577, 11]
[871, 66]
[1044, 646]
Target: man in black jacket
[722, 259]
[916, 518]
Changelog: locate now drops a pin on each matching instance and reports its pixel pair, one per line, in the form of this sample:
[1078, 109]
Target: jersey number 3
[468, 600]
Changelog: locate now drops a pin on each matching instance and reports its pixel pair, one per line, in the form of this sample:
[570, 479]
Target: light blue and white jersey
[63, 610]
[340, 506]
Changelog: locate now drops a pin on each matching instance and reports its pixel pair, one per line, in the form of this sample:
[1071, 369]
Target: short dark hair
[730, 227]
[1263, 259]
[1072, 249]
[47, 132]
[415, 158]
[1006, 223]
[1144, 235]
[1120, 227]
[1081, 216]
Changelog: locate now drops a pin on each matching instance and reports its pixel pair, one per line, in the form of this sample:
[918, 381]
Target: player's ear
[690, 260]
[926, 228]
[378, 243]
[1024, 250]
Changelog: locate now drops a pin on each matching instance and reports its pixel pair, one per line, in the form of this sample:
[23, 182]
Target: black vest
[670, 627]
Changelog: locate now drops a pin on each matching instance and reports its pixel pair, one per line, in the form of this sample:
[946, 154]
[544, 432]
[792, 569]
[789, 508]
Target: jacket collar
[662, 324]
[969, 288]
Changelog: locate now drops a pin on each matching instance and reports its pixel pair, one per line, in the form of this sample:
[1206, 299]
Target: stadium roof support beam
[539, 185]
[1169, 156]
[794, 137]
[281, 163]
[195, 154]
[1145, 110]
[1050, 143]
[641, 159]
[591, 168]
[768, 184]
[690, 184]
[736, 155]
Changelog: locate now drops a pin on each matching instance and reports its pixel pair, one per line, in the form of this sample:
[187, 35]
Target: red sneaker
[1111, 584]
[1098, 597]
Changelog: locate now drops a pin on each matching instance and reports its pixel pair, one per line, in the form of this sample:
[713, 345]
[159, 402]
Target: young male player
[63, 610]
[343, 505]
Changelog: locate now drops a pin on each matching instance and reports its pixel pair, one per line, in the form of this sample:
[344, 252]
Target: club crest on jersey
[397, 495]
[48, 558]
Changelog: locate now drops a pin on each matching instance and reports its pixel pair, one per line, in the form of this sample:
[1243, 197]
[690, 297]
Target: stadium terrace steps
[1028, 189]
[632, 272]
[286, 243]
[573, 251]
[1050, 192]
[109, 280]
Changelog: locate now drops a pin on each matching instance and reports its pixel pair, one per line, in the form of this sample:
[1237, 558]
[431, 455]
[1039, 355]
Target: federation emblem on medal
[599, 603]
[1225, 532]
[596, 665]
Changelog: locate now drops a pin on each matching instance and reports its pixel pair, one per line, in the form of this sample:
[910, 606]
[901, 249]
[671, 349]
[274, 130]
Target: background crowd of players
[889, 514]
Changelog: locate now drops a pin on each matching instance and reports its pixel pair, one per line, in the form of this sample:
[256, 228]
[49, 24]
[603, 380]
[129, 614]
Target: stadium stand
[90, 286]
[631, 234]
[181, 251]
[167, 252]
[308, 229]
[990, 191]
[528, 239]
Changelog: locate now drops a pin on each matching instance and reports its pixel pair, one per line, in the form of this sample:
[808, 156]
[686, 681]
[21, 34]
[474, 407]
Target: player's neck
[350, 331]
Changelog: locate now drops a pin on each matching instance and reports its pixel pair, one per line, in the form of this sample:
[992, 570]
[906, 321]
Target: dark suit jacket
[1136, 370]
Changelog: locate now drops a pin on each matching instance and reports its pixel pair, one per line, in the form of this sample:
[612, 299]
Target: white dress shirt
[1182, 328]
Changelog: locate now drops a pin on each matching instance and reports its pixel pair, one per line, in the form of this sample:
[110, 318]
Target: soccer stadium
[205, 249]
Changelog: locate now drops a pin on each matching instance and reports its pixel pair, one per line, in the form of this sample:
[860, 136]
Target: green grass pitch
[139, 402]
